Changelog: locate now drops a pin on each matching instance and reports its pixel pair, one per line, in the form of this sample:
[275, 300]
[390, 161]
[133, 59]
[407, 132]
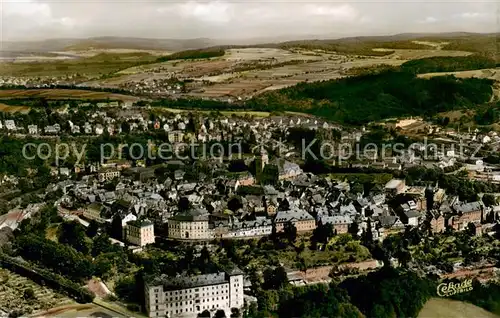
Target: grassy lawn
[439, 307]
[341, 249]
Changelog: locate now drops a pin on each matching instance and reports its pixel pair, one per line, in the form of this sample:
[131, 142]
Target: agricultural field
[25, 296]
[240, 72]
[98, 65]
[64, 94]
[246, 72]
[14, 109]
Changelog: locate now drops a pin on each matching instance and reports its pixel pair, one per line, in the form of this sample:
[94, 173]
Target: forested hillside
[365, 98]
[192, 54]
[448, 64]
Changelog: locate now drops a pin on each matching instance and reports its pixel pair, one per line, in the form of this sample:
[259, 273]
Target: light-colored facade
[108, 174]
[302, 220]
[191, 225]
[189, 296]
[94, 212]
[140, 233]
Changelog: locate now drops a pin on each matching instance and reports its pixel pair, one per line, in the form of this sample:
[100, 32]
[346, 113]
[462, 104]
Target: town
[261, 192]
[215, 159]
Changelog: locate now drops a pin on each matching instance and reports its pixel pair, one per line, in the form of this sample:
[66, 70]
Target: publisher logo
[450, 289]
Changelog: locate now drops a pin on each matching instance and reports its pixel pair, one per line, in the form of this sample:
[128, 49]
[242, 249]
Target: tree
[354, 229]
[73, 234]
[275, 278]
[489, 200]
[29, 294]
[101, 244]
[116, 227]
[471, 229]
[92, 229]
[367, 236]
[204, 314]
[220, 314]
[235, 313]
[322, 233]
[290, 232]
[125, 127]
[183, 204]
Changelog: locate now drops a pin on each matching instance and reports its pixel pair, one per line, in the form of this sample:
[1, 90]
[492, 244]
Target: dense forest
[361, 99]
[365, 98]
[192, 54]
[354, 46]
[389, 293]
[448, 64]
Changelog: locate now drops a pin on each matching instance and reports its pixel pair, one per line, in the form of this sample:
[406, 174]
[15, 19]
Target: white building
[32, 129]
[190, 225]
[140, 233]
[188, 296]
[108, 174]
[10, 124]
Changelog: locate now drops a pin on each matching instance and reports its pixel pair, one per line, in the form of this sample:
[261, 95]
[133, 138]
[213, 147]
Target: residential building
[32, 129]
[108, 174]
[189, 296]
[438, 222]
[395, 187]
[140, 233]
[94, 212]
[340, 223]
[175, 136]
[190, 225]
[302, 220]
[471, 212]
[50, 130]
[10, 124]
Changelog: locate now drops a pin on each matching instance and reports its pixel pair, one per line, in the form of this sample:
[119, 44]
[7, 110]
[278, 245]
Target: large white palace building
[189, 296]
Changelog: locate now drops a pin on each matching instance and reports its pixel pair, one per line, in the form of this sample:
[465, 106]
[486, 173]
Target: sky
[240, 19]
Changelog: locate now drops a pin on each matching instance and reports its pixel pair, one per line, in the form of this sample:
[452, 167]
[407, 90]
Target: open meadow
[444, 308]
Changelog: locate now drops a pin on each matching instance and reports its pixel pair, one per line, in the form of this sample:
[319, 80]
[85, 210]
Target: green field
[98, 65]
[53, 94]
[446, 308]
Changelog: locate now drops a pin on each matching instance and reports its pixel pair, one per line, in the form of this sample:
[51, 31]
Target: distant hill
[108, 42]
[474, 42]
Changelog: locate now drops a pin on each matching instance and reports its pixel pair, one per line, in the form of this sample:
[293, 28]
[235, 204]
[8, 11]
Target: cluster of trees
[364, 98]
[448, 64]
[60, 258]
[393, 293]
[372, 97]
[488, 116]
[192, 55]
[318, 301]
[466, 189]
[358, 46]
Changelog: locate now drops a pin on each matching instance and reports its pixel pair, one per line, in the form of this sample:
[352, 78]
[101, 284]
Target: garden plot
[18, 293]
